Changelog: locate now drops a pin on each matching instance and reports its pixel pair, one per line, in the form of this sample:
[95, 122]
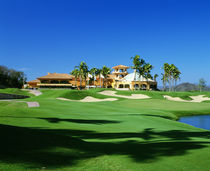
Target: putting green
[127, 134]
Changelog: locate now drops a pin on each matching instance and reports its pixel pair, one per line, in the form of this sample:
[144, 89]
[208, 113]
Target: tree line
[170, 76]
[10, 78]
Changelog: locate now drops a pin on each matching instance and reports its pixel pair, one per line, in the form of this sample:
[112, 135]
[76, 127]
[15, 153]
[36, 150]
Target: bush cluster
[10, 78]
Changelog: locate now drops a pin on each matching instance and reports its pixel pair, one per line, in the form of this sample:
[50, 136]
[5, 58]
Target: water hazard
[201, 121]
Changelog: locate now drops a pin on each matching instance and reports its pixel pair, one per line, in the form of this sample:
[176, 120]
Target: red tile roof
[120, 66]
[34, 81]
[56, 76]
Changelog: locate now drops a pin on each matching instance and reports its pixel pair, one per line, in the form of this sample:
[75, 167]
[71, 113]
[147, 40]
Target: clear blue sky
[40, 36]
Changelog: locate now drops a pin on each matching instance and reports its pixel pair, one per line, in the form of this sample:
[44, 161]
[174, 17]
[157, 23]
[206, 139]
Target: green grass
[159, 94]
[121, 135]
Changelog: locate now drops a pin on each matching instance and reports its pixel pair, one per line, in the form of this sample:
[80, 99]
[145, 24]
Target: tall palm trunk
[173, 84]
[85, 82]
[169, 81]
[94, 81]
[75, 82]
[100, 80]
[80, 79]
[164, 84]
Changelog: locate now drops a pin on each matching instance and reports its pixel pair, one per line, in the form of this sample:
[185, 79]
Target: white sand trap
[88, 99]
[133, 96]
[178, 99]
[196, 99]
[199, 98]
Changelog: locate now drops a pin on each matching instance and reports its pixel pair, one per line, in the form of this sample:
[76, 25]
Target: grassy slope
[16, 91]
[120, 135]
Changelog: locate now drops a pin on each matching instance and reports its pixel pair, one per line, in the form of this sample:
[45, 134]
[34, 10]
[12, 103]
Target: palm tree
[146, 69]
[105, 72]
[141, 67]
[93, 72]
[201, 84]
[138, 64]
[176, 76]
[75, 73]
[165, 74]
[164, 79]
[171, 75]
[155, 77]
[83, 72]
[98, 73]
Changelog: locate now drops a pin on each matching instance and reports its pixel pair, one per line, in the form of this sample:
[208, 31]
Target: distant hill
[189, 87]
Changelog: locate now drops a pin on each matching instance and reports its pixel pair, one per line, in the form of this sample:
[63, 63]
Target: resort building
[118, 79]
[52, 80]
[135, 81]
[120, 71]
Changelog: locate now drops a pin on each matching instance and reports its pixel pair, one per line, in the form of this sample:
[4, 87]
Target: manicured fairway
[120, 135]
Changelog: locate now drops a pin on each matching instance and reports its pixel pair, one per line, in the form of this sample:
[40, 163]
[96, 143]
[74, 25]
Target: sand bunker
[199, 98]
[88, 99]
[133, 96]
[196, 99]
[178, 99]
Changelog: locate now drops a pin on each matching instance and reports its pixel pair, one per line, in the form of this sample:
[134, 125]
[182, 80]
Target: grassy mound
[72, 94]
[78, 95]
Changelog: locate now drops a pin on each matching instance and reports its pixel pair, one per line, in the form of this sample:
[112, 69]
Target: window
[144, 86]
[44, 81]
[54, 82]
[64, 82]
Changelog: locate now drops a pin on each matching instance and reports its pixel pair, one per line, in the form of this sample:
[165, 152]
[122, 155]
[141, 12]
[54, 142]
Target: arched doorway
[144, 87]
[121, 86]
[136, 86]
[127, 86]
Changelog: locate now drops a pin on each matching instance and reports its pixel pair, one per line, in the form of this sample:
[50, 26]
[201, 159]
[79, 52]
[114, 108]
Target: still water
[201, 121]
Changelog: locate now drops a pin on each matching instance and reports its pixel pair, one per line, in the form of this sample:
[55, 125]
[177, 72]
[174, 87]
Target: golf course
[120, 134]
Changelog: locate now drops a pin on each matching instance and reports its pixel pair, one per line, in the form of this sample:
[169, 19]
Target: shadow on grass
[159, 116]
[57, 148]
[81, 121]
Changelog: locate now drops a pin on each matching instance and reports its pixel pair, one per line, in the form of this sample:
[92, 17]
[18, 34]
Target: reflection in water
[202, 121]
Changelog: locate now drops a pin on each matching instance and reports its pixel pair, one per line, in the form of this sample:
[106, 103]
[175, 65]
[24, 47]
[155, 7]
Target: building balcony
[54, 84]
[119, 72]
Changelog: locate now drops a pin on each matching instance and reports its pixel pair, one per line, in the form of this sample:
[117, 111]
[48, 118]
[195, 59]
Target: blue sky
[40, 36]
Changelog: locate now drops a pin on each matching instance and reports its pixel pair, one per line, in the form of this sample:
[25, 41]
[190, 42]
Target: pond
[201, 121]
